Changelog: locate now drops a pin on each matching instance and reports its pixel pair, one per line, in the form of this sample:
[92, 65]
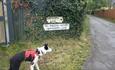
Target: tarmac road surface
[103, 45]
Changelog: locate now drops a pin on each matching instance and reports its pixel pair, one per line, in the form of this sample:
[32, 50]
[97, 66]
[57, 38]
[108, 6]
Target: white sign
[54, 19]
[50, 27]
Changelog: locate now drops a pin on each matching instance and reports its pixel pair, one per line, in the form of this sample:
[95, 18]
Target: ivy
[73, 12]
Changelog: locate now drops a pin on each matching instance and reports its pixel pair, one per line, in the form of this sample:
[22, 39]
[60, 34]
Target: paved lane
[103, 45]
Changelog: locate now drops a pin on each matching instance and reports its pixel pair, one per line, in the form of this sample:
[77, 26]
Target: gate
[18, 19]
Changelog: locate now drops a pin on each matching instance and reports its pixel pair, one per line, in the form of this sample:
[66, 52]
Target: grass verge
[68, 54]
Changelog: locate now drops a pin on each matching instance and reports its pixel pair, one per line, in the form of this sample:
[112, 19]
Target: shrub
[73, 12]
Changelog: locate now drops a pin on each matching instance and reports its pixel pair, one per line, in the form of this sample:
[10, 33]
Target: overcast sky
[113, 0]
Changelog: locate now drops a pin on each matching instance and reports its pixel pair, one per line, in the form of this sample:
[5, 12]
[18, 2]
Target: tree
[96, 4]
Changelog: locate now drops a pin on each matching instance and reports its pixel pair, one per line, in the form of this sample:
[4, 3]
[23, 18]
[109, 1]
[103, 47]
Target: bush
[73, 12]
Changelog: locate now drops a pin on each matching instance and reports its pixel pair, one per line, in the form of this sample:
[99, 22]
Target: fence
[110, 13]
[22, 17]
[2, 32]
[18, 23]
[2, 29]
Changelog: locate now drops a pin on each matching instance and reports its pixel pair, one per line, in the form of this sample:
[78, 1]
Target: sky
[113, 0]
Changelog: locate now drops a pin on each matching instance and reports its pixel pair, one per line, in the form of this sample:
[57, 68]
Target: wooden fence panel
[2, 32]
[18, 19]
[2, 28]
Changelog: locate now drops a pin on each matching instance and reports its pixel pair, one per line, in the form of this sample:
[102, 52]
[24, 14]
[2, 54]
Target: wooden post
[2, 28]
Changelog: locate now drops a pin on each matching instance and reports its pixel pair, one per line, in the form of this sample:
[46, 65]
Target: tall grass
[67, 54]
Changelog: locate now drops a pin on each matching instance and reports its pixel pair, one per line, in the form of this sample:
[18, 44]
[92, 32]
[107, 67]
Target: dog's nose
[50, 50]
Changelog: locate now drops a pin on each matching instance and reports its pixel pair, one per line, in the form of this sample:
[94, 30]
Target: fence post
[6, 21]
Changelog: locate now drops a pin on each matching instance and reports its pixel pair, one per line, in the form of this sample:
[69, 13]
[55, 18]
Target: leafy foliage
[73, 12]
[97, 4]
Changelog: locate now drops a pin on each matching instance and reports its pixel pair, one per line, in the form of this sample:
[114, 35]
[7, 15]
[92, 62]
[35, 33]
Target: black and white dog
[29, 55]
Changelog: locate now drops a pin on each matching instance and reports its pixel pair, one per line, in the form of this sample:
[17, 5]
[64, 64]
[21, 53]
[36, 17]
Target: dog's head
[44, 49]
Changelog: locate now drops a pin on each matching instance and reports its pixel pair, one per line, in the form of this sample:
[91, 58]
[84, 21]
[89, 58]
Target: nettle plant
[73, 12]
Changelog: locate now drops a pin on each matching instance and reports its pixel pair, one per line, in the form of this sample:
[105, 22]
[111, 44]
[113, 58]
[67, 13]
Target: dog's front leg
[31, 67]
[37, 67]
[34, 63]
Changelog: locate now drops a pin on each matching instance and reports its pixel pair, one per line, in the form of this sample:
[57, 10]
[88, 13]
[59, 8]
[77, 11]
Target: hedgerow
[73, 12]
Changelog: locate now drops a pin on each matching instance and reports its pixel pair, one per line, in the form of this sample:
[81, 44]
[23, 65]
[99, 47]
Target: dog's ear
[46, 46]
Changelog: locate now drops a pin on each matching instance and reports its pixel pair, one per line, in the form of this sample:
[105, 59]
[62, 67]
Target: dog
[29, 55]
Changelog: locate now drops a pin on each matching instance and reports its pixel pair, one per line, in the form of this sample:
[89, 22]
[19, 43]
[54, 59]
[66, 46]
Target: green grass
[68, 54]
[111, 20]
[108, 19]
[1, 13]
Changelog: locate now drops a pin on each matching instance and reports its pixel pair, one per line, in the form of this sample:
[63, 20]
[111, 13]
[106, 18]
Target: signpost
[54, 19]
[55, 23]
[50, 27]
